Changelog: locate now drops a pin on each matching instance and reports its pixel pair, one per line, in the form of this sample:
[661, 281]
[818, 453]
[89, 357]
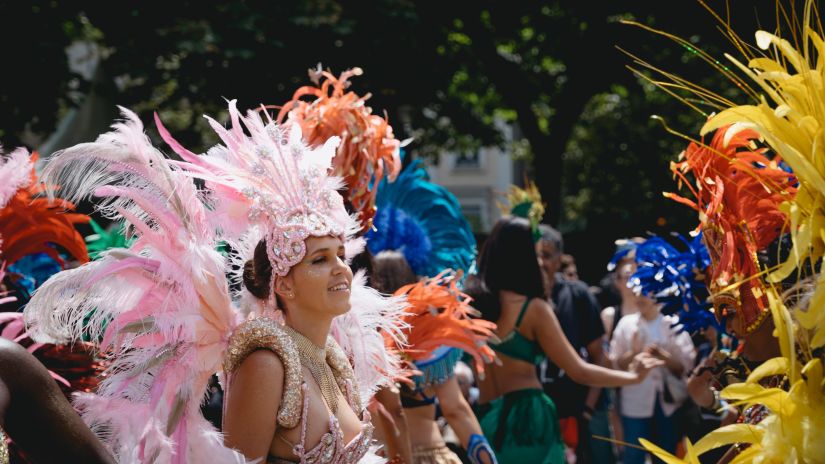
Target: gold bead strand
[314, 358]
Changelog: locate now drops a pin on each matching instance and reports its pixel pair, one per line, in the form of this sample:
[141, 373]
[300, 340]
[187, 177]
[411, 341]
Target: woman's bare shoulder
[540, 308]
[262, 362]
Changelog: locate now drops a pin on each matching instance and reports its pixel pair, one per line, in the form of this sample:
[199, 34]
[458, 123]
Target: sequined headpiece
[368, 153]
[265, 177]
[738, 188]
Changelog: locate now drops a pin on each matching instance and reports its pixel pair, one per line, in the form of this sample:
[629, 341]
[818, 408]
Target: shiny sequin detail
[4, 448]
[344, 375]
[265, 333]
[331, 449]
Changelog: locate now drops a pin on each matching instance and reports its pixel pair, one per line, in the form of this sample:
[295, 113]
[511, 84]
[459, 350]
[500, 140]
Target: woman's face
[734, 324]
[321, 282]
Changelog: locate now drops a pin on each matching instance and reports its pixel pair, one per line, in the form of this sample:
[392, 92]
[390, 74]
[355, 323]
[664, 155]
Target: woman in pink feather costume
[298, 349]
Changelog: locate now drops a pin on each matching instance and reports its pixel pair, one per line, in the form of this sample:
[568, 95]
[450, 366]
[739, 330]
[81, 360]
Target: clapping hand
[657, 352]
[643, 363]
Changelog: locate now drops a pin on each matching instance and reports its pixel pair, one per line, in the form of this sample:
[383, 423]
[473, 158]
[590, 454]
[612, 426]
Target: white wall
[479, 181]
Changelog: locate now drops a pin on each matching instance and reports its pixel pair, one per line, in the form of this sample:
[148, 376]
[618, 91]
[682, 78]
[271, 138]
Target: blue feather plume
[675, 279]
[424, 222]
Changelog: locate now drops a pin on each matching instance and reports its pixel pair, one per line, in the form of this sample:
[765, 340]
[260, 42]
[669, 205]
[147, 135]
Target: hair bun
[253, 281]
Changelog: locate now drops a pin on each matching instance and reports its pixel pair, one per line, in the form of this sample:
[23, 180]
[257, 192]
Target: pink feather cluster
[161, 308]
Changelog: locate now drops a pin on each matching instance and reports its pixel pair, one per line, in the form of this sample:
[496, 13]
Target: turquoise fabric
[522, 427]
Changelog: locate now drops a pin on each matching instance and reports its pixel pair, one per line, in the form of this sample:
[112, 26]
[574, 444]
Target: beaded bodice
[331, 449]
[265, 333]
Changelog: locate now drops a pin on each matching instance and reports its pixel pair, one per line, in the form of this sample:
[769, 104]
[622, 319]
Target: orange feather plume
[30, 221]
[737, 189]
[368, 151]
[439, 314]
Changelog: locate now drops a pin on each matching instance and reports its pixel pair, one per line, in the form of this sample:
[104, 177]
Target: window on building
[468, 160]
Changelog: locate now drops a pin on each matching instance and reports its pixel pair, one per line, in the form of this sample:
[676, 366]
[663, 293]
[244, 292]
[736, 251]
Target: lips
[342, 287]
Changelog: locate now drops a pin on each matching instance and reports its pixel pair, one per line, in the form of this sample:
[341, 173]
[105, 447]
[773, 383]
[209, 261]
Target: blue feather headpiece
[423, 221]
[675, 279]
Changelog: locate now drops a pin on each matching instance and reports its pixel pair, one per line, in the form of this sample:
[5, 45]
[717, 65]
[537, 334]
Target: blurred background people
[647, 409]
[518, 418]
[578, 315]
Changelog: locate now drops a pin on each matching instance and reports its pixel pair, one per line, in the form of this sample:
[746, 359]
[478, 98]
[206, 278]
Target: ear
[284, 287]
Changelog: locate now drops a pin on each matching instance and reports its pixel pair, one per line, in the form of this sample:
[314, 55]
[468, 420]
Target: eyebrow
[324, 249]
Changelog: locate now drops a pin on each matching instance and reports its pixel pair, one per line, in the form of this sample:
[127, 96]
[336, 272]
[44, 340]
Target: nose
[341, 267]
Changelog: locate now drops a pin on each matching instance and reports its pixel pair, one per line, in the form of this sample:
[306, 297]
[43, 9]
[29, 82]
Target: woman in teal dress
[516, 416]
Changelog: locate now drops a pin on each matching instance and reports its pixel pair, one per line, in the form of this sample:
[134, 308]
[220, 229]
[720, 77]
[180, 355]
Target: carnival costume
[738, 189]
[787, 113]
[423, 222]
[169, 317]
[31, 229]
[523, 425]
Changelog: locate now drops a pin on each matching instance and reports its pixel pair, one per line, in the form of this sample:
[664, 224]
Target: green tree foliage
[444, 72]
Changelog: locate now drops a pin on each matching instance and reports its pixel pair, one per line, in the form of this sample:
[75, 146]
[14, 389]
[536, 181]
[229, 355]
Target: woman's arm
[397, 433]
[253, 398]
[459, 415]
[548, 332]
[700, 391]
[38, 417]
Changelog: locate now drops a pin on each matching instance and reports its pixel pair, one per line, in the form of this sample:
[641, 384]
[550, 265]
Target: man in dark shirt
[578, 315]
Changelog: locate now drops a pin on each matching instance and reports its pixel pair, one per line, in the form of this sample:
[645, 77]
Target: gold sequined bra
[265, 333]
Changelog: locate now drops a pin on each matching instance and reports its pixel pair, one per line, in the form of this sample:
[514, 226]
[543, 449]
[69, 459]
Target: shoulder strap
[263, 333]
[523, 310]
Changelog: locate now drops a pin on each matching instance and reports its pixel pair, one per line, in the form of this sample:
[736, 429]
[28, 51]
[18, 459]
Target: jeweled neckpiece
[314, 358]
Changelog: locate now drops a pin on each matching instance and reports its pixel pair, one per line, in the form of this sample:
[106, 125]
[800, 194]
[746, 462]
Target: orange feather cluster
[368, 151]
[30, 221]
[737, 191]
[439, 314]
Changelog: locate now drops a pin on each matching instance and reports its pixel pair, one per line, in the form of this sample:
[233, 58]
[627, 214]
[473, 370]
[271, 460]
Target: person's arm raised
[547, 331]
[252, 405]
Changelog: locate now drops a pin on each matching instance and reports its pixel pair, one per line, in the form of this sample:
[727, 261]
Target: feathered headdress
[263, 182]
[738, 190]
[31, 223]
[785, 82]
[625, 249]
[269, 181]
[423, 221]
[368, 152]
[440, 315]
[162, 306]
[674, 278]
[525, 203]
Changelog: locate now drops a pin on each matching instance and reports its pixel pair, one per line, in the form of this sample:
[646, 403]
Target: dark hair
[257, 272]
[391, 271]
[483, 298]
[508, 262]
[366, 261]
[551, 235]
